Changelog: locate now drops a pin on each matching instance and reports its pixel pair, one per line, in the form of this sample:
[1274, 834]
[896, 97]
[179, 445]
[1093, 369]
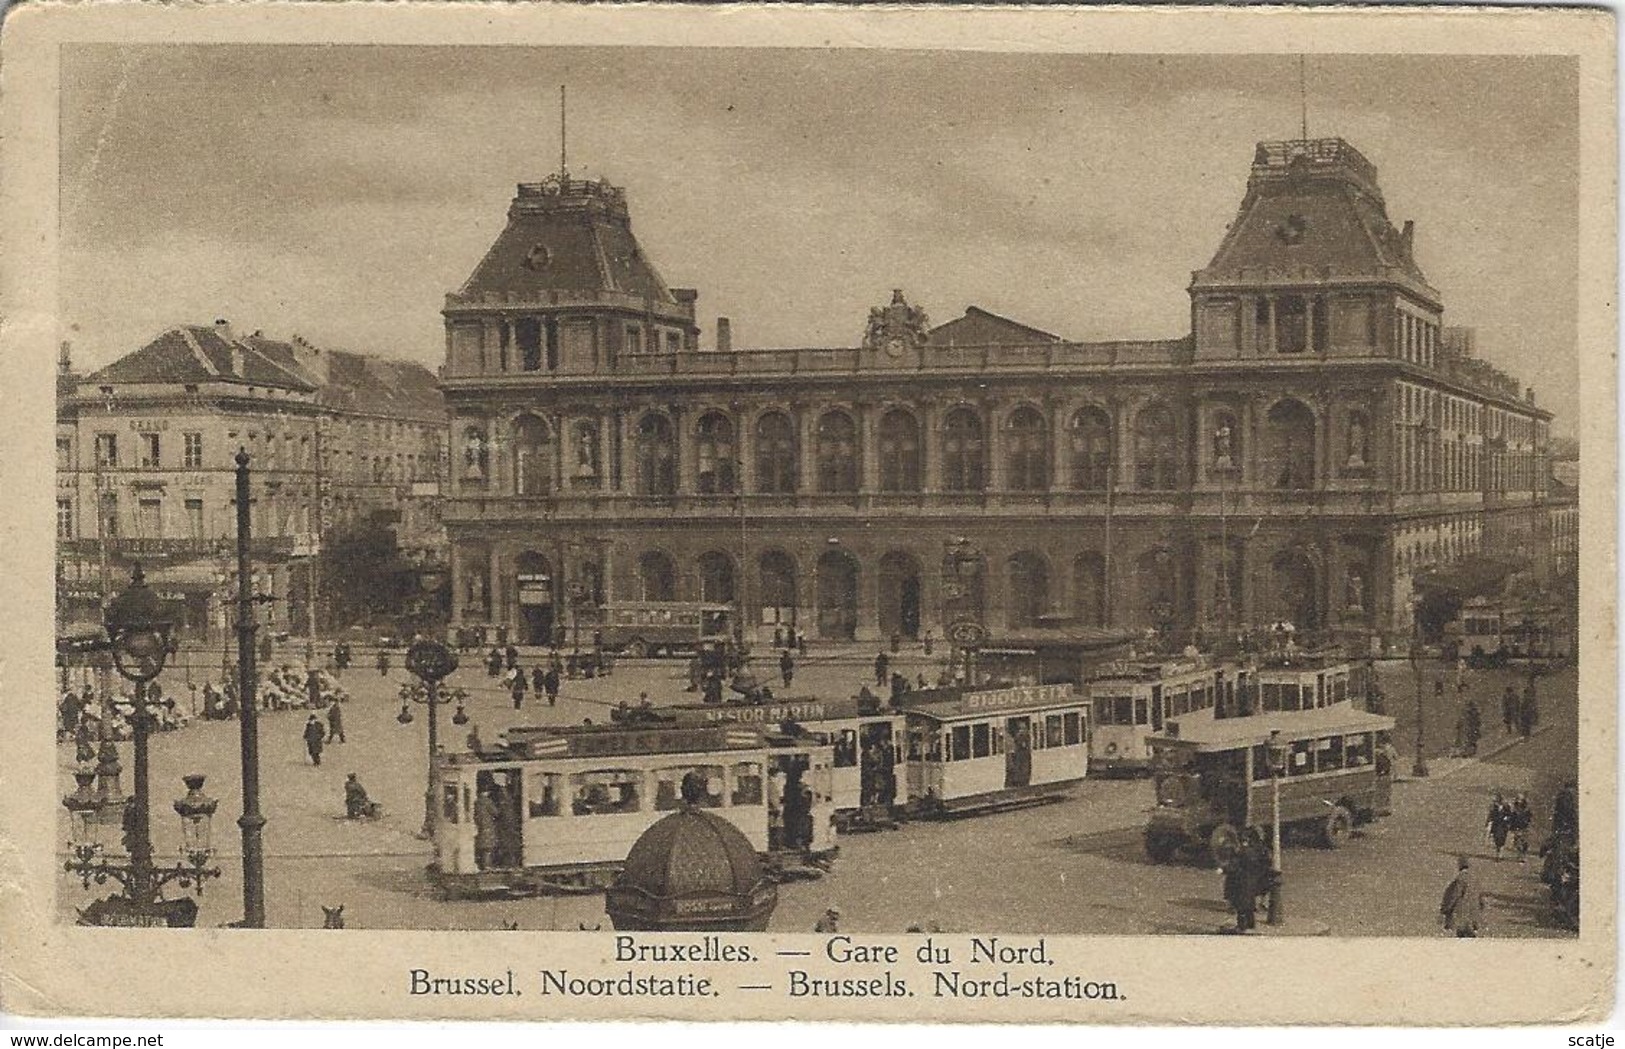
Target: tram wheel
[1336, 828]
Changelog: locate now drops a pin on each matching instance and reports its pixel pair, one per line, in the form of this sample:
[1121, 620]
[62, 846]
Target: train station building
[1314, 440]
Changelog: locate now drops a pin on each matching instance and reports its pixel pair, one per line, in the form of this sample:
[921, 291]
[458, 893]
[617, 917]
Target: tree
[365, 578]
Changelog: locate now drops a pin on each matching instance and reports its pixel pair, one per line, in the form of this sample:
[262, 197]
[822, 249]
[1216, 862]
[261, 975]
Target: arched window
[1029, 589]
[1091, 432]
[657, 577]
[837, 453]
[1224, 445]
[532, 456]
[775, 453]
[962, 451]
[1026, 447]
[657, 457]
[899, 452]
[1156, 458]
[1290, 430]
[777, 572]
[1089, 588]
[716, 578]
[716, 453]
[476, 455]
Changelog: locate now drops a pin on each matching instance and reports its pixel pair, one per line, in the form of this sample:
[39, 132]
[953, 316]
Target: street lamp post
[140, 639]
[431, 662]
[252, 822]
[1419, 767]
[1277, 759]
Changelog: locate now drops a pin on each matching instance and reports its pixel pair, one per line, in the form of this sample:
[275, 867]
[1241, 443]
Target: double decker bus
[1213, 777]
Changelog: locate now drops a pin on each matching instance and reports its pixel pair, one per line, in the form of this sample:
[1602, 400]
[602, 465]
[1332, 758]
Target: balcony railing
[282, 545]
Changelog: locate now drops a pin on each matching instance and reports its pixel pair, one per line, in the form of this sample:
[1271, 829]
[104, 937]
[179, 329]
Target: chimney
[64, 358]
[1529, 394]
[725, 335]
[686, 297]
[1407, 237]
[222, 328]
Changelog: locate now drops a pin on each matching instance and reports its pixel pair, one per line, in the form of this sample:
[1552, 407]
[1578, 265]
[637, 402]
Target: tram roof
[776, 712]
[954, 704]
[1319, 659]
[1150, 668]
[1255, 729]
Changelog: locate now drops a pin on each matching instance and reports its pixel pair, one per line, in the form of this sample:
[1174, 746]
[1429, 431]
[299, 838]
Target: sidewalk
[1439, 768]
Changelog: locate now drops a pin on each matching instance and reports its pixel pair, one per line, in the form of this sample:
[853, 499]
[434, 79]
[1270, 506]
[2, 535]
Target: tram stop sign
[967, 633]
[430, 660]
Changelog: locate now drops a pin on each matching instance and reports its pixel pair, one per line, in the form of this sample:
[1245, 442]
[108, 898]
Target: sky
[339, 192]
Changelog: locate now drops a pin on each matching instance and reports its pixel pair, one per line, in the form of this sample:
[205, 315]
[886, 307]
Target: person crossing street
[314, 737]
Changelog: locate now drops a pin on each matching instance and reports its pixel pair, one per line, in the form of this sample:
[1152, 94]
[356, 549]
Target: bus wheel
[637, 648]
[1161, 847]
[1336, 827]
[1224, 843]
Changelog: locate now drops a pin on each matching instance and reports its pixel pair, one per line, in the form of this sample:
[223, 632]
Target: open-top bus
[1213, 777]
[565, 805]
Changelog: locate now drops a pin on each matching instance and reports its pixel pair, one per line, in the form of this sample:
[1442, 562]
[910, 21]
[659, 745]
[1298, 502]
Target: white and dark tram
[558, 809]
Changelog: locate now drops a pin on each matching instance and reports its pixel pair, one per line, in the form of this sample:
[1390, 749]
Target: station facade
[1316, 440]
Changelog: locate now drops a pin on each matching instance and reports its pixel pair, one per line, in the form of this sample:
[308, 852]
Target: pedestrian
[896, 643]
[778, 637]
[1509, 708]
[1498, 823]
[511, 654]
[356, 803]
[313, 690]
[801, 643]
[313, 739]
[694, 673]
[538, 679]
[787, 667]
[550, 682]
[1522, 817]
[882, 669]
[1463, 906]
[493, 663]
[517, 687]
[335, 722]
[383, 662]
[830, 922]
[1566, 813]
[1242, 884]
[929, 643]
[1474, 726]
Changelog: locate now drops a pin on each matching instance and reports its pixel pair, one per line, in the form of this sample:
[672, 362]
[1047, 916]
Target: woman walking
[1499, 823]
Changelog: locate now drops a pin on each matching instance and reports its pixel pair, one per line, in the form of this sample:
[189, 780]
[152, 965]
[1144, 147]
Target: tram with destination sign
[1133, 698]
[1300, 681]
[558, 809]
[973, 751]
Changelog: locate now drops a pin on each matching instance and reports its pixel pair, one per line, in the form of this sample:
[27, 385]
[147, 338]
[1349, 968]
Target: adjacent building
[146, 470]
[1314, 441]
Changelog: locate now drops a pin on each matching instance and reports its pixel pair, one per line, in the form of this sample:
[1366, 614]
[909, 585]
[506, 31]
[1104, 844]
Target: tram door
[454, 845]
[813, 824]
[1018, 753]
[502, 841]
[878, 759]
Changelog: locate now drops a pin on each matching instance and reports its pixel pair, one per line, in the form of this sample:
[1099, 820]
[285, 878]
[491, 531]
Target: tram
[1213, 777]
[1300, 681]
[1133, 699]
[972, 751]
[563, 806]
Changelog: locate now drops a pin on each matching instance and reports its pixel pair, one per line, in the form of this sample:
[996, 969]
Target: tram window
[1261, 763]
[959, 743]
[1330, 753]
[543, 797]
[1302, 758]
[1182, 702]
[1272, 697]
[1123, 711]
[920, 743]
[747, 780]
[1340, 686]
[604, 792]
[998, 735]
[1357, 749]
[1290, 698]
[846, 748]
[1320, 690]
[981, 744]
[1053, 735]
[1139, 710]
[669, 787]
[1073, 723]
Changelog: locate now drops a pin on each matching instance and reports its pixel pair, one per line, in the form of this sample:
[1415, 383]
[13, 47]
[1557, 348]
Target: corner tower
[1312, 266]
[564, 289]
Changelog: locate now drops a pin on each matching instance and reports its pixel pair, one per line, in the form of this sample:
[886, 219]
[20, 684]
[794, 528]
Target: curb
[1493, 751]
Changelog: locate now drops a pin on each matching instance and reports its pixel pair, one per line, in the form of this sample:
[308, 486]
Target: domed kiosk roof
[692, 871]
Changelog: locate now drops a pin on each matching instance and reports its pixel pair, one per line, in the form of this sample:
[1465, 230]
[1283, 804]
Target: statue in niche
[474, 456]
[1355, 591]
[586, 453]
[1359, 442]
[1222, 444]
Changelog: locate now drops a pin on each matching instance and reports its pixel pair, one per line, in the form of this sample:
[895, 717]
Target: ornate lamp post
[431, 662]
[1277, 756]
[140, 640]
[1419, 768]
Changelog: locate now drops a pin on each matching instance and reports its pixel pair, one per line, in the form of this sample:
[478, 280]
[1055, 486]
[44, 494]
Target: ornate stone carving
[896, 328]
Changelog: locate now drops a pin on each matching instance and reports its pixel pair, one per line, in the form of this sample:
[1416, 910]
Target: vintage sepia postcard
[880, 514]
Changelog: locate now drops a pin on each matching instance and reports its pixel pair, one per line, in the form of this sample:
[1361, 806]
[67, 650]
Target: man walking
[383, 662]
[882, 670]
[313, 739]
[335, 722]
[787, 667]
[1463, 905]
[518, 687]
[550, 683]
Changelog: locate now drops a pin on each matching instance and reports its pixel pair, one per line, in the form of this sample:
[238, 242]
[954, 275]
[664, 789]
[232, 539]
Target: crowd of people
[85, 713]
